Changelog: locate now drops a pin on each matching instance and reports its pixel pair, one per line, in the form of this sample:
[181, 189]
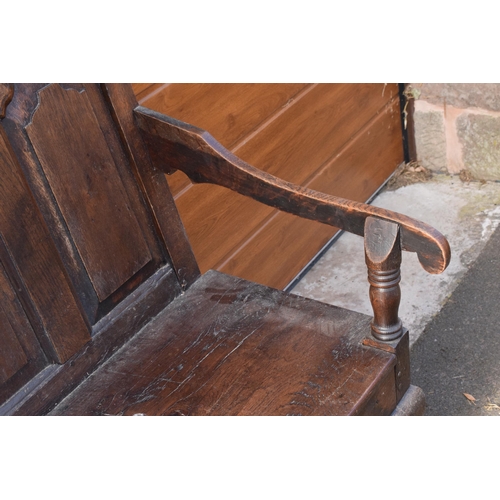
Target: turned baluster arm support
[175, 145]
[383, 259]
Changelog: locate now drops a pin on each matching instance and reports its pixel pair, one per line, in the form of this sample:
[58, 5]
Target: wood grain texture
[110, 333]
[21, 356]
[280, 248]
[121, 184]
[168, 342]
[88, 188]
[317, 124]
[313, 130]
[383, 259]
[143, 90]
[196, 153]
[28, 241]
[250, 350]
[229, 111]
[153, 186]
[12, 356]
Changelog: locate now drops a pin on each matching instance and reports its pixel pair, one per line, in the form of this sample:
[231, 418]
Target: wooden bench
[103, 310]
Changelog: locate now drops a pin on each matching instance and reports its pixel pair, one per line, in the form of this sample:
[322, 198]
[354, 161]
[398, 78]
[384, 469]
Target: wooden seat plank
[248, 350]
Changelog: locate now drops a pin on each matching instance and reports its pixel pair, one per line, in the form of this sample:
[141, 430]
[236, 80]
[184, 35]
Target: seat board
[248, 350]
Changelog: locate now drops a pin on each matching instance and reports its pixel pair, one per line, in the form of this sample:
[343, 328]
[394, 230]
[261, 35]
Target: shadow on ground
[459, 350]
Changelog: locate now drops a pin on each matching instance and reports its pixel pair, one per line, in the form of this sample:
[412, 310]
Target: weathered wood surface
[203, 159]
[153, 186]
[91, 205]
[87, 187]
[82, 214]
[111, 332]
[248, 350]
[41, 271]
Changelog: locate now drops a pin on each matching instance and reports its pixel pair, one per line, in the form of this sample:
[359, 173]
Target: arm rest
[175, 145]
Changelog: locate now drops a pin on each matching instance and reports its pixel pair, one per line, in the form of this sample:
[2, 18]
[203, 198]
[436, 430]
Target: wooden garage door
[341, 139]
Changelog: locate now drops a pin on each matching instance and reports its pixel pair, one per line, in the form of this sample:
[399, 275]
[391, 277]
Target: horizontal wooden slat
[313, 130]
[280, 249]
[229, 112]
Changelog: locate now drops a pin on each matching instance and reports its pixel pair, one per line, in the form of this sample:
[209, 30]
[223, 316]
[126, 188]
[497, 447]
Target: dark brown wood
[21, 356]
[154, 187]
[40, 268]
[250, 350]
[111, 333]
[12, 356]
[139, 330]
[87, 188]
[204, 160]
[401, 348]
[6, 94]
[383, 258]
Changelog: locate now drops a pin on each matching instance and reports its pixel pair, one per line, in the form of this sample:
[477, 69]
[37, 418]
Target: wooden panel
[155, 189]
[12, 356]
[300, 141]
[26, 237]
[229, 112]
[248, 351]
[281, 248]
[113, 332]
[218, 221]
[88, 188]
[21, 357]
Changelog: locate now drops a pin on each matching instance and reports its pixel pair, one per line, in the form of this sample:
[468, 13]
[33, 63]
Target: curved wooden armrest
[175, 145]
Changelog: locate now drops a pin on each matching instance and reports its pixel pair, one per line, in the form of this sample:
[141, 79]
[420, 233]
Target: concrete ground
[446, 360]
[456, 361]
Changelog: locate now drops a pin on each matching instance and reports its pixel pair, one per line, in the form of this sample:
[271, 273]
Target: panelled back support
[85, 231]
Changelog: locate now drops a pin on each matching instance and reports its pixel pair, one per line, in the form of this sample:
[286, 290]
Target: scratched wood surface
[249, 350]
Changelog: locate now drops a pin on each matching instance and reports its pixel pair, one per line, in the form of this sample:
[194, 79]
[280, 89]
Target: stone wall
[457, 127]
